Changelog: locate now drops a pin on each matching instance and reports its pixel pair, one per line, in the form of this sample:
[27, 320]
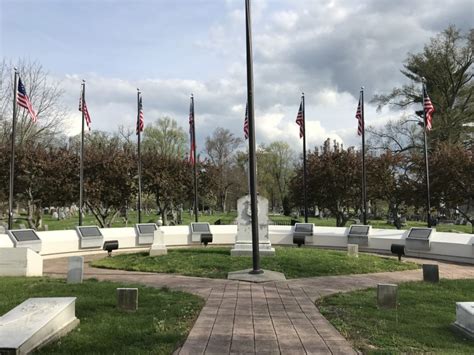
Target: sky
[172, 48]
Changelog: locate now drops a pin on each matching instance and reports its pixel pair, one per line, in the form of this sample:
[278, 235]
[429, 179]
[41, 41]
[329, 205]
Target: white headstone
[243, 241]
[2, 230]
[75, 271]
[158, 247]
[55, 215]
[353, 250]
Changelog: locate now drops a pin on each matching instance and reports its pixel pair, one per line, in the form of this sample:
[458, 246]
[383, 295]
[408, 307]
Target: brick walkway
[270, 318]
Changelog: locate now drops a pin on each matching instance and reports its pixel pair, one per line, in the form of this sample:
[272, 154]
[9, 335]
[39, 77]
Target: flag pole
[139, 159]
[428, 199]
[305, 173]
[364, 175]
[12, 153]
[196, 209]
[252, 156]
[81, 166]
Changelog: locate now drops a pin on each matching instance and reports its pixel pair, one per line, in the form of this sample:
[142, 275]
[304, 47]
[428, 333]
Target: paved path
[270, 318]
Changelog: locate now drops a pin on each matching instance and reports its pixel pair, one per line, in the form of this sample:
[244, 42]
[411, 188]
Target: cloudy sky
[171, 48]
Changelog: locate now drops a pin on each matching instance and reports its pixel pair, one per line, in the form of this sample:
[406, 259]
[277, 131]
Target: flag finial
[362, 88]
[423, 80]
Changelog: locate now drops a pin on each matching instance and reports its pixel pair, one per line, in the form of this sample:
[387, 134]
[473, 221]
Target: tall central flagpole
[428, 199]
[305, 173]
[81, 168]
[12, 154]
[252, 156]
[196, 209]
[139, 158]
[364, 176]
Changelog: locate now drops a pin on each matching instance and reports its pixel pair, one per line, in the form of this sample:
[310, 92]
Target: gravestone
[36, 322]
[75, 270]
[465, 318]
[353, 250]
[55, 215]
[127, 299]
[46, 228]
[387, 295]
[2, 230]
[243, 242]
[20, 262]
[430, 273]
[158, 247]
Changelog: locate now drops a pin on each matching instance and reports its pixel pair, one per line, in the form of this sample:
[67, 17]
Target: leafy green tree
[220, 149]
[446, 63]
[165, 139]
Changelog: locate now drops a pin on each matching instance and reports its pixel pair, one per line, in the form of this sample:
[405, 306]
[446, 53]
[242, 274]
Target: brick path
[270, 318]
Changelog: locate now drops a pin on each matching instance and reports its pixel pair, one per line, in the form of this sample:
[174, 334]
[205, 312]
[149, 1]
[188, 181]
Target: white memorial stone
[75, 272]
[465, 318]
[243, 242]
[158, 247]
[353, 250]
[2, 230]
[55, 215]
[20, 262]
[36, 322]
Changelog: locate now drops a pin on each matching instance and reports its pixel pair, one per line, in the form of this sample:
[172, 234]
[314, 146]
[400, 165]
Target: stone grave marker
[127, 299]
[465, 318]
[430, 273]
[353, 250]
[387, 295]
[35, 323]
[75, 272]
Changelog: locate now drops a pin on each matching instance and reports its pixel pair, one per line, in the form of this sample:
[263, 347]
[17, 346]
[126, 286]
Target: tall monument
[243, 241]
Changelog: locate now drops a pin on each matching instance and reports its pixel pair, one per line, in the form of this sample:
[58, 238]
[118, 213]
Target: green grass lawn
[421, 324]
[160, 325]
[216, 262]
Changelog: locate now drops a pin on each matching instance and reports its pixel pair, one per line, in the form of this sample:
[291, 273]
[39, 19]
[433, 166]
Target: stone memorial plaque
[145, 233]
[147, 228]
[359, 234]
[418, 239]
[359, 230]
[304, 228]
[89, 232]
[25, 238]
[89, 237]
[420, 233]
[200, 227]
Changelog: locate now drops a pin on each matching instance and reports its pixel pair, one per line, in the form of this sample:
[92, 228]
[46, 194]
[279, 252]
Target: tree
[45, 95]
[220, 148]
[452, 172]
[334, 174]
[275, 170]
[165, 139]
[446, 63]
[109, 171]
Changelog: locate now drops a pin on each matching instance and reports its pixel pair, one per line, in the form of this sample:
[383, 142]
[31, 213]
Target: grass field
[421, 324]
[216, 262]
[160, 325]
[71, 223]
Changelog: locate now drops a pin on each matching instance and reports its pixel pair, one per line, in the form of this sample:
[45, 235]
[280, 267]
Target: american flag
[23, 100]
[360, 117]
[246, 122]
[300, 119]
[140, 119]
[429, 109]
[191, 132]
[83, 108]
